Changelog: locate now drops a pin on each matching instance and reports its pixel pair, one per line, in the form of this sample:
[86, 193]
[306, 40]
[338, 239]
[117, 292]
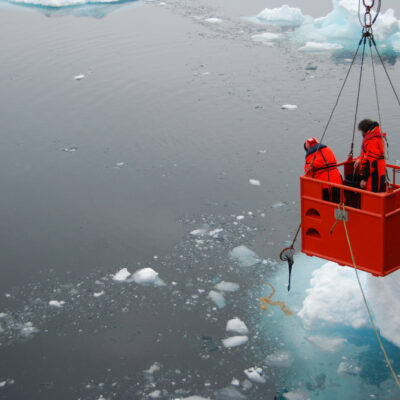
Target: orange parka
[372, 160]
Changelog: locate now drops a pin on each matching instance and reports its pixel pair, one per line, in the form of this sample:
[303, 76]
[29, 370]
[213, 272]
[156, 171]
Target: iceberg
[339, 30]
[283, 16]
[147, 277]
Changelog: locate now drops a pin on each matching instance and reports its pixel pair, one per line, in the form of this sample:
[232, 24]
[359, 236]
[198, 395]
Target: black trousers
[331, 194]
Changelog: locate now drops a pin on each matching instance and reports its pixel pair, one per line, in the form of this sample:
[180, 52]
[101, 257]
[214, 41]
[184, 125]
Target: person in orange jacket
[321, 164]
[372, 163]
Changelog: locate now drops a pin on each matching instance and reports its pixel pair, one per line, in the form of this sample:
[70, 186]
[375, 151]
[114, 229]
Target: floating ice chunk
[318, 47]
[237, 325]
[153, 369]
[3, 315]
[218, 298]
[266, 37]
[78, 77]
[70, 149]
[98, 294]
[289, 107]
[279, 204]
[298, 394]
[227, 286]
[28, 329]
[245, 256]
[119, 164]
[199, 232]
[324, 304]
[347, 367]
[56, 303]
[254, 182]
[240, 217]
[147, 277]
[283, 16]
[280, 359]
[235, 341]
[213, 20]
[122, 275]
[235, 382]
[3, 383]
[254, 374]
[327, 344]
[216, 233]
[156, 394]
[195, 398]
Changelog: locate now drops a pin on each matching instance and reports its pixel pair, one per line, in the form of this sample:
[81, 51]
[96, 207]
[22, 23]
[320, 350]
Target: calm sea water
[161, 137]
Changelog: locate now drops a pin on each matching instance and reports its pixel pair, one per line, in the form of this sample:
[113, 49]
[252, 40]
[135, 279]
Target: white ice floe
[298, 394]
[78, 77]
[122, 275]
[194, 398]
[267, 37]
[56, 303]
[289, 107]
[279, 204]
[235, 341]
[318, 47]
[327, 344]
[348, 368]
[119, 164]
[235, 382]
[237, 325]
[153, 369]
[245, 256]
[227, 286]
[216, 233]
[254, 182]
[280, 359]
[283, 16]
[213, 20]
[334, 298]
[3, 383]
[3, 315]
[218, 298]
[98, 294]
[156, 394]
[27, 329]
[147, 277]
[254, 374]
[199, 232]
[240, 217]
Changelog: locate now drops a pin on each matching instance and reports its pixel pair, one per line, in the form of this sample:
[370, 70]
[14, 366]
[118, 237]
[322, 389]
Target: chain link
[369, 5]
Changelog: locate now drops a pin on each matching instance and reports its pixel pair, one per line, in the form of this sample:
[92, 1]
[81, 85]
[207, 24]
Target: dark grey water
[173, 118]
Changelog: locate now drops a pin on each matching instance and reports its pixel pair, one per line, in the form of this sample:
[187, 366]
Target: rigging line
[358, 95]
[338, 98]
[375, 83]
[378, 336]
[386, 71]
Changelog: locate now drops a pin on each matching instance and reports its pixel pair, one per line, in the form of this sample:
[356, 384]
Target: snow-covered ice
[245, 256]
[78, 77]
[266, 37]
[218, 298]
[348, 368]
[255, 375]
[199, 232]
[333, 290]
[153, 368]
[235, 341]
[56, 303]
[318, 47]
[27, 329]
[283, 16]
[3, 383]
[122, 275]
[237, 325]
[289, 107]
[98, 294]
[254, 182]
[227, 286]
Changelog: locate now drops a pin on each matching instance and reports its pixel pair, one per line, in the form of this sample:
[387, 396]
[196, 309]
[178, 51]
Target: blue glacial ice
[339, 29]
[327, 348]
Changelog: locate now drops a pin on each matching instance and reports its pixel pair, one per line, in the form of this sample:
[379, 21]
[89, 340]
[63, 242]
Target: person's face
[362, 133]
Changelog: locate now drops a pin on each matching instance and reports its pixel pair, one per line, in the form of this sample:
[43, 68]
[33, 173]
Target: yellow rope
[368, 309]
[281, 304]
